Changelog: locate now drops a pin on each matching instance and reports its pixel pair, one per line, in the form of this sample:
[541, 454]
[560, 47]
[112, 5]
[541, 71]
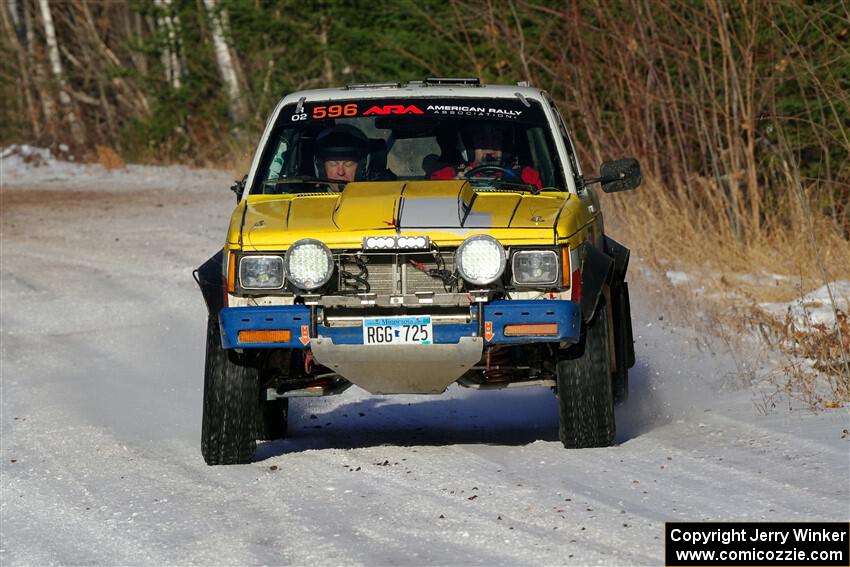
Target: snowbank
[23, 166]
[811, 309]
[815, 307]
[678, 278]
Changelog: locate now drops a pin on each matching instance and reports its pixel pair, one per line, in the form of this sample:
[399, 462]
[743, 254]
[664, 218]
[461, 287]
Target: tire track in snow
[437, 472]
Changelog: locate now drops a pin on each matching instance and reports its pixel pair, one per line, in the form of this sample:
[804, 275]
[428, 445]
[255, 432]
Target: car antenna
[524, 100]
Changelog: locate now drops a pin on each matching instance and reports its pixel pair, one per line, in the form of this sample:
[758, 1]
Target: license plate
[398, 330]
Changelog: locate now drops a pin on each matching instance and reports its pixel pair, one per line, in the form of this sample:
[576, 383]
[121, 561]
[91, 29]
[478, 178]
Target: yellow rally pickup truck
[403, 237]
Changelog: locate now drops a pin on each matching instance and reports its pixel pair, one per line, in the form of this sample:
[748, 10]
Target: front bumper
[297, 319]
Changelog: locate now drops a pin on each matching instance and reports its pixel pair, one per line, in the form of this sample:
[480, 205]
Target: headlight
[535, 267]
[261, 272]
[480, 259]
[309, 264]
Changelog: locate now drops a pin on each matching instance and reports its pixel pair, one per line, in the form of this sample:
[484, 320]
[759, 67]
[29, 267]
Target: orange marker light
[565, 266]
[231, 272]
[532, 329]
[270, 336]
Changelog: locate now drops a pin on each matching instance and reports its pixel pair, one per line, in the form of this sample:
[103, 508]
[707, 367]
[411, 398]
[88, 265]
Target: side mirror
[239, 187]
[619, 175]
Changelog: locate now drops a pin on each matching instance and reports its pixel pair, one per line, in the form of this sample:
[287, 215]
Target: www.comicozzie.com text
[756, 534]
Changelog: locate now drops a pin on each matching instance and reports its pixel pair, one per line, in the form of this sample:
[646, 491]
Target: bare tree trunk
[15, 13]
[134, 95]
[45, 94]
[76, 127]
[225, 65]
[133, 20]
[166, 51]
[19, 37]
[108, 113]
[327, 65]
[170, 58]
[237, 66]
[179, 61]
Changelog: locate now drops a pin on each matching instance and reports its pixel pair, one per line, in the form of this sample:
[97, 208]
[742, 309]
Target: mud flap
[595, 273]
[621, 256]
[208, 277]
[400, 369]
[623, 323]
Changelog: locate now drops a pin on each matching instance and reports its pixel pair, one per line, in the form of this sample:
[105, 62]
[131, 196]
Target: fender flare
[596, 270]
[209, 279]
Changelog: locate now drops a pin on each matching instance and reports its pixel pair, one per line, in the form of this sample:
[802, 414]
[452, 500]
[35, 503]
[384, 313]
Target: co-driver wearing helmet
[488, 149]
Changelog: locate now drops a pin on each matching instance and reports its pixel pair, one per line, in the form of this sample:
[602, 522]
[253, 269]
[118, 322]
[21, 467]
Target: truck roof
[434, 87]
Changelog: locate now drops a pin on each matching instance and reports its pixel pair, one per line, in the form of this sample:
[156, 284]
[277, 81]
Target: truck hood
[416, 206]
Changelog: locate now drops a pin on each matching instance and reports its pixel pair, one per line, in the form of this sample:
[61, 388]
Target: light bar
[270, 336]
[396, 242]
[454, 81]
[531, 329]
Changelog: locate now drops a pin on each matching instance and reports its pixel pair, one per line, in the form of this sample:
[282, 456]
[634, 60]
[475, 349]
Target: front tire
[229, 424]
[585, 396]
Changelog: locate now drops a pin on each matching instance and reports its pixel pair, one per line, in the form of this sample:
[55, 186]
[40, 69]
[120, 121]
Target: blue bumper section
[497, 314]
[565, 314]
[270, 317]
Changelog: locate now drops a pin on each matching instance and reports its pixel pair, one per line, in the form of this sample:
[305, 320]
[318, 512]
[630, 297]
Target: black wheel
[585, 397]
[272, 418]
[623, 343]
[229, 424]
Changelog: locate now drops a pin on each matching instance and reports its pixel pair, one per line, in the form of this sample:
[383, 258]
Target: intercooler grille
[392, 274]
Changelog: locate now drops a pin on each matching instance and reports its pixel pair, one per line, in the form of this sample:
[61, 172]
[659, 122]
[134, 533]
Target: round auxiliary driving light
[480, 259]
[309, 264]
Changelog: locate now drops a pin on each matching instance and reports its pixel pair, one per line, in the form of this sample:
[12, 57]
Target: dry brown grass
[665, 229]
[814, 351]
[800, 252]
[108, 157]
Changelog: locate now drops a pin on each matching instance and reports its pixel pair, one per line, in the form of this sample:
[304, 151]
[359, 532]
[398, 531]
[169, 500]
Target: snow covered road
[102, 367]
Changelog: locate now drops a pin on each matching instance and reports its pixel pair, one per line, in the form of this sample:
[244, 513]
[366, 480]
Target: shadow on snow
[506, 417]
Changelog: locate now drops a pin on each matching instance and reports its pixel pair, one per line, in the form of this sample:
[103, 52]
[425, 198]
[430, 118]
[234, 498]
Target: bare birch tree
[77, 132]
[170, 57]
[19, 38]
[226, 64]
[48, 104]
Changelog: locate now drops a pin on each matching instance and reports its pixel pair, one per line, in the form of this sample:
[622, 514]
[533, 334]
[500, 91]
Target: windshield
[495, 143]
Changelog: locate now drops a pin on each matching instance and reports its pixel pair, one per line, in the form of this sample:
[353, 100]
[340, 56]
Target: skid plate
[400, 369]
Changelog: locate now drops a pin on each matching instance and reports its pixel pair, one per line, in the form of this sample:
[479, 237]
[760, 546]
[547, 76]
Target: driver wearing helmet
[488, 149]
[341, 153]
